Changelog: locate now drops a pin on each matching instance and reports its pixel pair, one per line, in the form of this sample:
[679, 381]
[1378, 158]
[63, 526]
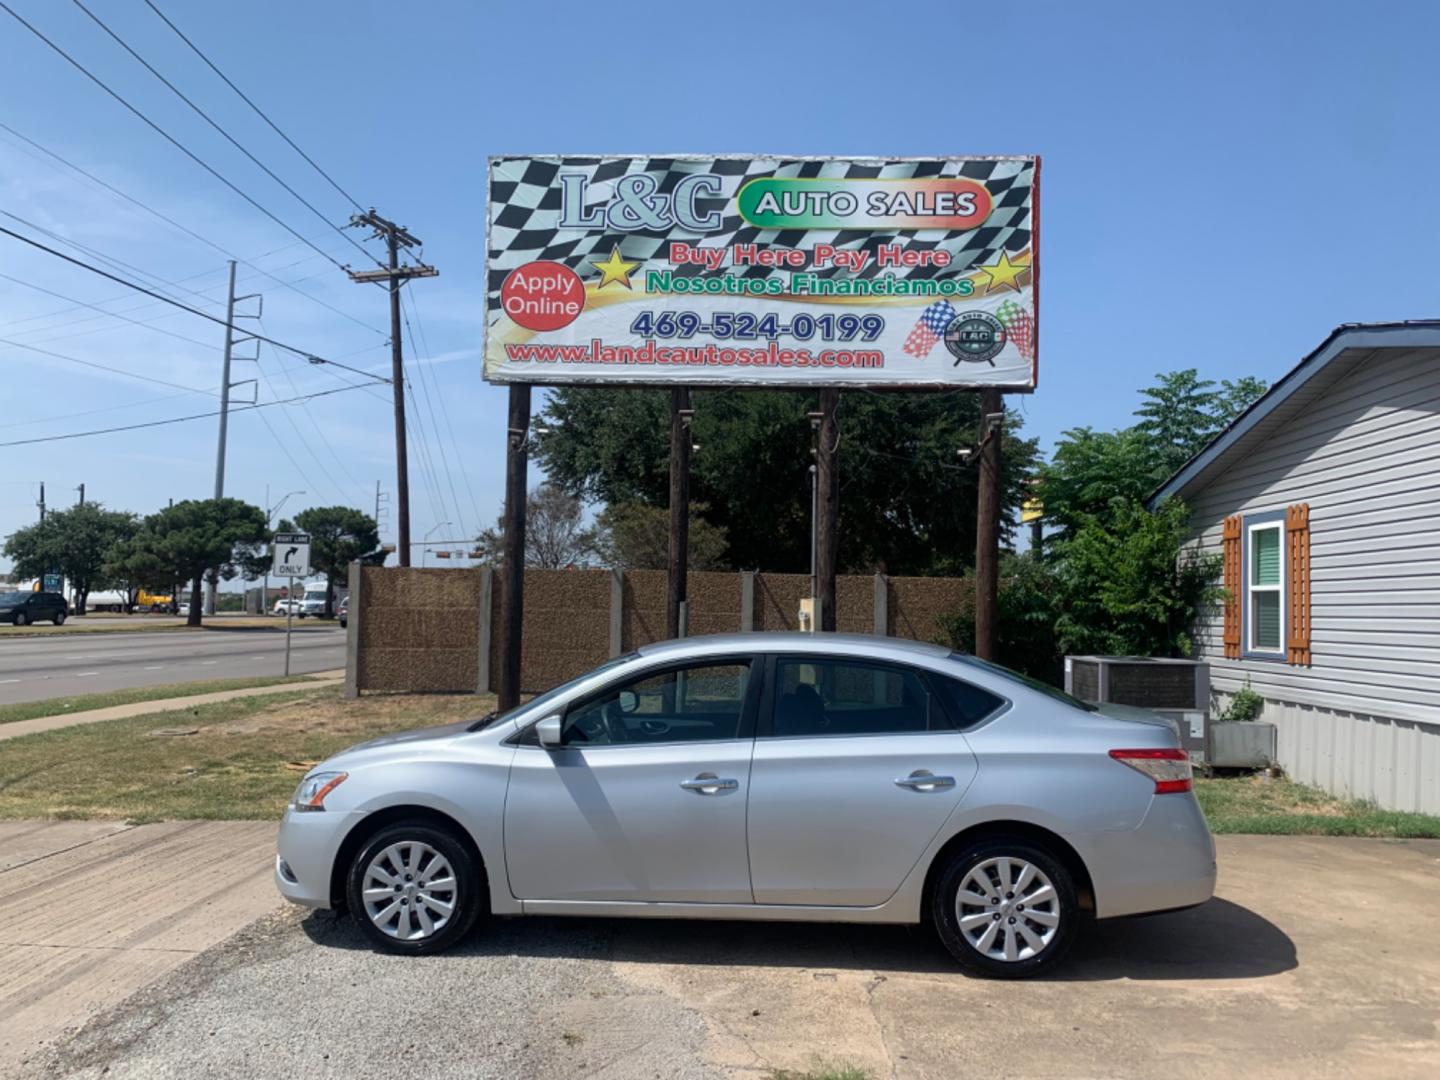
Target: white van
[313, 600]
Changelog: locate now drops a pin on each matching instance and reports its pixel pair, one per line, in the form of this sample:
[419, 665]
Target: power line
[104, 367]
[178, 419]
[92, 412]
[435, 424]
[309, 356]
[210, 64]
[111, 314]
[228, 137]
[191, 232]
[157, 128]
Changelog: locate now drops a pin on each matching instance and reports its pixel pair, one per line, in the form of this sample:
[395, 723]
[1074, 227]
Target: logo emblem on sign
[976, 336]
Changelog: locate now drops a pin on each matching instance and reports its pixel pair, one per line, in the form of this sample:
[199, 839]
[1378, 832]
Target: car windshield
[1024, 680]
[549, 695]
[13, 597]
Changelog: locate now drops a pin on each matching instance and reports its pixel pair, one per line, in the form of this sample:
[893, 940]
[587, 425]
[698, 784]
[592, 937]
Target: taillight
[1170, 769]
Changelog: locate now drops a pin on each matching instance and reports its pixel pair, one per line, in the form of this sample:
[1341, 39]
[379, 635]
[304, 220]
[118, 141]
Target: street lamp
[265, 581]
[426, 554]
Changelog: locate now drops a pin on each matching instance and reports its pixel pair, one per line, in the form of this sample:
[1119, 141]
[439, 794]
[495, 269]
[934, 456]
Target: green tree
[131, 566]
[1026, 610]
[556, 535]
[636, 536]
[1090, 469]
[73, 543]
[199, 536]
[907, 501]
[1179, 415]
[338, 536]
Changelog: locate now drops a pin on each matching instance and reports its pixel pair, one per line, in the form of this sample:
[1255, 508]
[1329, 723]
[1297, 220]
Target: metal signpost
[291, 555]
[806, 273]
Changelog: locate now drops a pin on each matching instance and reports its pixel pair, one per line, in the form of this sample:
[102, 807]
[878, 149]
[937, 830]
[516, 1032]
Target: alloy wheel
[410, 891]
[1007, 909]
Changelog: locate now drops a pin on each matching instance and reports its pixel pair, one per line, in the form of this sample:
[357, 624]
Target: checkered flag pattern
[929, 328]
[525, 211]
[1019, 327]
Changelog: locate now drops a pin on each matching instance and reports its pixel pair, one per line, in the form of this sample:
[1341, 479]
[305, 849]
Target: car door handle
[924, 781]
[709, 784]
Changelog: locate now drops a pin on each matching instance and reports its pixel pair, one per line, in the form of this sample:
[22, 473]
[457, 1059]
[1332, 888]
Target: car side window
[852, 697]
[690, 703]
[969, 704]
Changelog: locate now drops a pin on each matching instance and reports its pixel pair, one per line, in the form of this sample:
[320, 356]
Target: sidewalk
[138, 708]
[93, 911]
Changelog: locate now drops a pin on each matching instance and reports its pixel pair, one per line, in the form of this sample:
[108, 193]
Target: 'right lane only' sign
[292, 555]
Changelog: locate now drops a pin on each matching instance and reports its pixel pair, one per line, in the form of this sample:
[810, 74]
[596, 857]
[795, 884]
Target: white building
[1324, 500]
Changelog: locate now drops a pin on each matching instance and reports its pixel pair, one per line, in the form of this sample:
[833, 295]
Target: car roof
[795, 641]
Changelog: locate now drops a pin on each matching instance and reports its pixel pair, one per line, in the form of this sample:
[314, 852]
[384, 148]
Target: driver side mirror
[548, 732]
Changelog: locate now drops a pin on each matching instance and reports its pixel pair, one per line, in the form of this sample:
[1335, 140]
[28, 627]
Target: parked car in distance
[287, 607]
[775, 776]
[23, 607]
[343, 613]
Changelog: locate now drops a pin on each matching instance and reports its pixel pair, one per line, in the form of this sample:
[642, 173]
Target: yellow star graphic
[1004, 273]
[614, 268]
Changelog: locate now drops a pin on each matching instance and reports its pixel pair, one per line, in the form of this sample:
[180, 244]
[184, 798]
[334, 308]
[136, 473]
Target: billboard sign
[763, 271]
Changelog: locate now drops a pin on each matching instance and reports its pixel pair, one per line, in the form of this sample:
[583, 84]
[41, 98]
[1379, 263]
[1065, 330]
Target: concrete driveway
[1320, 957]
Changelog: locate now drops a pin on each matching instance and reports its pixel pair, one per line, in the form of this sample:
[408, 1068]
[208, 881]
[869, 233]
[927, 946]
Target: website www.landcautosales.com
[650, 352]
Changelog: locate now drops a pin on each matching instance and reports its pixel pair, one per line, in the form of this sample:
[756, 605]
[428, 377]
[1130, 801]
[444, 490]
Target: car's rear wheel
[1005, 909]
[21, 618]
[60, 618]
[414, 888]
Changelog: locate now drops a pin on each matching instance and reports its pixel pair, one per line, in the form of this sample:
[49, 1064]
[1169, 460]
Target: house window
[1264, 588]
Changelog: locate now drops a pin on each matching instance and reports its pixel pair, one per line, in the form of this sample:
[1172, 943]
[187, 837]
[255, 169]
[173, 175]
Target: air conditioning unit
[1178, 690]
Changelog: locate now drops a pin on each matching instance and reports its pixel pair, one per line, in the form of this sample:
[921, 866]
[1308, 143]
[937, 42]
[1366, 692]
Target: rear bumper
[1165, 863]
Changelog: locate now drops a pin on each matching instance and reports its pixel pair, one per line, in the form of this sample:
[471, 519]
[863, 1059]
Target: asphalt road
[35, 668]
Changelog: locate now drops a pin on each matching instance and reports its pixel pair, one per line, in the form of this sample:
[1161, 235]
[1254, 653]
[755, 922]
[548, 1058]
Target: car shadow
[1218, 940]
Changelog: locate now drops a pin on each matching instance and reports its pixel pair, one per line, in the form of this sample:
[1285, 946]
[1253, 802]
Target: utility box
[1178, 690]
[1242, 744]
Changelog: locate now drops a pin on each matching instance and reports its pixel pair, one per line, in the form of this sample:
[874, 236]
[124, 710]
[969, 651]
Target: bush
[1246, 704]
[1025, 616]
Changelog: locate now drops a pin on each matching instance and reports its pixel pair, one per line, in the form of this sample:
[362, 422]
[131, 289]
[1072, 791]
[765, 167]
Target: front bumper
[305, 853]
[1166, 862]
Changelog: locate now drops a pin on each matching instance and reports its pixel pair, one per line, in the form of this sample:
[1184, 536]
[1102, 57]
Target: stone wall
[429, 629]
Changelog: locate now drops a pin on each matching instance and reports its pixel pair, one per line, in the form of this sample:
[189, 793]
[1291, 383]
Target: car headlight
[310, 795]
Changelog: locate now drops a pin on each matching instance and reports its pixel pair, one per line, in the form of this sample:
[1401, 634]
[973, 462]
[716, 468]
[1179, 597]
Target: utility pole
[41, 503]
[395, 237]
[512, 625]
[225, 387]
[827, 481]
[81, 490]
[678, 564]
[987, 524]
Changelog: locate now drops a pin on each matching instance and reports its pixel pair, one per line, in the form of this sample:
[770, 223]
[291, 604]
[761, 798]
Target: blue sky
[1222, 185]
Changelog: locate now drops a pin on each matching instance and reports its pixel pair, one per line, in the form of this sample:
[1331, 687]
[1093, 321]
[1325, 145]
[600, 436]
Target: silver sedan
[769, 776]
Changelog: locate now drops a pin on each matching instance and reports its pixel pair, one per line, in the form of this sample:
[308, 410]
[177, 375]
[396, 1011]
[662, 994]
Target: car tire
[979, 906]
[385, 861]
[60, 618]
[21, 618]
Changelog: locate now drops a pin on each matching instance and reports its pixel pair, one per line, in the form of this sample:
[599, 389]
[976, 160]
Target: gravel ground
[291, 996]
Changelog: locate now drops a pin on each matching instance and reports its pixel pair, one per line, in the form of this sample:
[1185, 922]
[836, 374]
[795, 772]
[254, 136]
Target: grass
[241, 763]
[140, 625]
[58, 706]
[821, 1072]
[1251, 804]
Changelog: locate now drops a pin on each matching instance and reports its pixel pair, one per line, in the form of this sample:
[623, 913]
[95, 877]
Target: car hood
[1137, 716]
[430, 734]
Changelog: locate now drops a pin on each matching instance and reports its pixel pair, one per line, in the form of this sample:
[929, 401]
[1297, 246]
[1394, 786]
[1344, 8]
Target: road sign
[292, 555]
[53, 582]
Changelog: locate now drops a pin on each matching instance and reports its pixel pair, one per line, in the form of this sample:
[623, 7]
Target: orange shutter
[1297, 532]
[1230, 558]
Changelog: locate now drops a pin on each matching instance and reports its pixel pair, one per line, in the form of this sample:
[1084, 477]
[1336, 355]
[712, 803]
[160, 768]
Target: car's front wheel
[414, 888]
[21, 618]
[1006, 909]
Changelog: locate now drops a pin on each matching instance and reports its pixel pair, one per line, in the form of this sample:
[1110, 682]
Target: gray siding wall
[1364, 718]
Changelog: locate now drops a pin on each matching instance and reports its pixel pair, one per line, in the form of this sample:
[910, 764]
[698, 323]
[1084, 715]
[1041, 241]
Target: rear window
[1027, 681]
[968, 702]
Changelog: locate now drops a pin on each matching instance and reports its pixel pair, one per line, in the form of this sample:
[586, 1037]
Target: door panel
[613, 823]
[857, 767]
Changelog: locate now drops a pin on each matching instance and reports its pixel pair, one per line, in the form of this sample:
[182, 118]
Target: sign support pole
[827, 482]
[512, 625]
[289, 621]
[987, 524]
[679, 561]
